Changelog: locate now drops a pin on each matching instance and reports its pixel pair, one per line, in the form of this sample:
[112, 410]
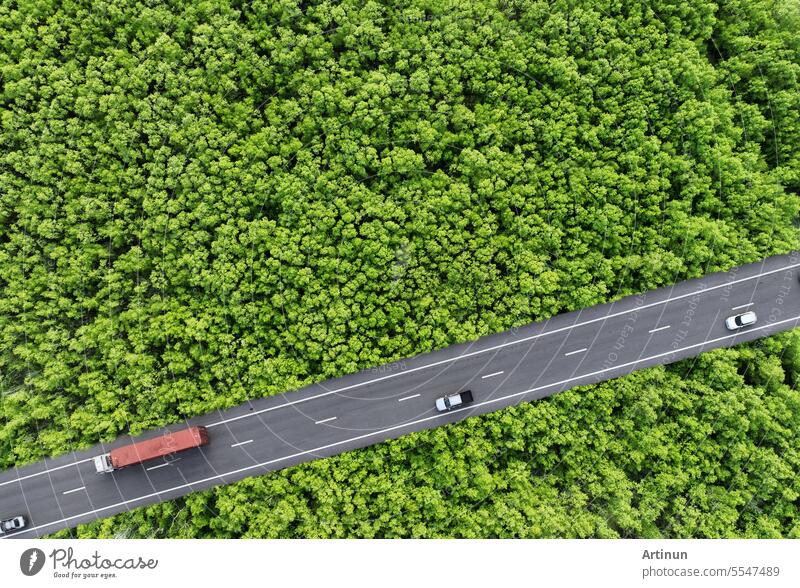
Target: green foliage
[205, 202]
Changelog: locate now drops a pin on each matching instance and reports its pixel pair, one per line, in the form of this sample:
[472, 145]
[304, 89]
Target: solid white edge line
[743, 306]
[491, 375]
[242, 443]
[408, 397]
[163, 465]
[47, 471]
[500, 346]
[393, 428]
[74, 490]
[658, 329]
[576, 351]
[325, 420]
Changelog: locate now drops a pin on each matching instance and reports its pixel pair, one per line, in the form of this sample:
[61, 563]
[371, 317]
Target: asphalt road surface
[577, 348]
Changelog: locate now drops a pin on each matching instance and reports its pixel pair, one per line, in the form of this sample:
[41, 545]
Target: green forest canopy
[205, 202]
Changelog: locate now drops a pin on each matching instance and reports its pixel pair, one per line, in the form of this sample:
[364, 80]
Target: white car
[14, 524]
[740, 320]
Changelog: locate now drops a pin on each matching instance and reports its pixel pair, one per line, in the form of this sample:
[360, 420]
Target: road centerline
[492, 375]
[163, 465]
[658, 329]
[576, 351]
[409, 397]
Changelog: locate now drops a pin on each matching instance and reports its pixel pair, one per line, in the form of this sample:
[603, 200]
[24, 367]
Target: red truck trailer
[165, 444]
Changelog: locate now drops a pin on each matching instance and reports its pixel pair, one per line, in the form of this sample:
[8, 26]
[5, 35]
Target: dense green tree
[205, 202]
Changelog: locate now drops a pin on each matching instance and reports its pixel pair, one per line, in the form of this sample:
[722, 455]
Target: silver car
[740, 320]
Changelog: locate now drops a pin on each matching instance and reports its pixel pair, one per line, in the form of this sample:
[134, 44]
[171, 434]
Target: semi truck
[160, 446]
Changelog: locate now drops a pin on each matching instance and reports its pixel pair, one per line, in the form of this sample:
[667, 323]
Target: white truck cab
[102, 463]
[452, 401]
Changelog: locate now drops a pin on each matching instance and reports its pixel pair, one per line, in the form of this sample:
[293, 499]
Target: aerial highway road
[524, 364]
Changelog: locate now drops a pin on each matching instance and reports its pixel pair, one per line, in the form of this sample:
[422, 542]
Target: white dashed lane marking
[491, 375]
[408, 398]
[163, 465]
[576, 351]
[658, 329]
